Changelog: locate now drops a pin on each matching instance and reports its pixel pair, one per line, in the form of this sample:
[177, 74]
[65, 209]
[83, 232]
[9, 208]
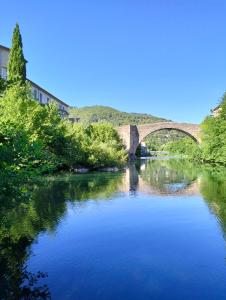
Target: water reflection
[213, 190]
[33, 209]
[162, 177]
[26, 212]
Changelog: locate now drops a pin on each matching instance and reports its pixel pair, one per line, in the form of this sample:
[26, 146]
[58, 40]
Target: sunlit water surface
[154, 231]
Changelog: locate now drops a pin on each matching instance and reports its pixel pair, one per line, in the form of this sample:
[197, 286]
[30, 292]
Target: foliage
[213, 147]
[2, 85]
[105, 146]
[26, 132]
[33, 137]
[97, 145]
[156, 140]
[17, 63]
[184, 146]
[93, 114]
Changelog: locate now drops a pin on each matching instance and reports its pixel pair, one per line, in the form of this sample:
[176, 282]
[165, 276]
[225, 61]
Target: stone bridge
[132, 135]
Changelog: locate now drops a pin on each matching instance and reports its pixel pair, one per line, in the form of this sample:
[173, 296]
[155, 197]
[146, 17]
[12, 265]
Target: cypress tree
[17, 64]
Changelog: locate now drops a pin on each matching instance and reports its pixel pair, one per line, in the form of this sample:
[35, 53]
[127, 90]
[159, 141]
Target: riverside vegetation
[33, 137]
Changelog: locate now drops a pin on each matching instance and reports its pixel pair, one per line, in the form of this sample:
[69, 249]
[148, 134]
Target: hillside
[98, 113]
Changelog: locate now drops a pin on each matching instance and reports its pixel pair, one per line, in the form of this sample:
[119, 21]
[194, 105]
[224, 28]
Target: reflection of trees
[26, 211]
[16, 282]
[160, 174]
[91, 186]
[213, 189]
[166, 175]
[21, 221]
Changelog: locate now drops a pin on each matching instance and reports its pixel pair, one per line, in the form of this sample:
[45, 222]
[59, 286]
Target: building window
[47, 100]
[40, 97]
[35, 94]
[4, 73]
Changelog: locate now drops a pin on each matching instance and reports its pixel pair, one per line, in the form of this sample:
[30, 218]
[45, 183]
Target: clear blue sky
[164, 57]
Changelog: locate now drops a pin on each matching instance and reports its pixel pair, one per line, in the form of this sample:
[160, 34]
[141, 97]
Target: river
[153, 231]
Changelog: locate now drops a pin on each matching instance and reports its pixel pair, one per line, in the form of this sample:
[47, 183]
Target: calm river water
[154, 231]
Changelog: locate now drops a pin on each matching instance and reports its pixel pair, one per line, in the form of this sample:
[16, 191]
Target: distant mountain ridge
[98, 113]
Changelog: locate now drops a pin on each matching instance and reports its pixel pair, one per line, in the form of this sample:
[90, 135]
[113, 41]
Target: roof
[48, 93]
[5, 48]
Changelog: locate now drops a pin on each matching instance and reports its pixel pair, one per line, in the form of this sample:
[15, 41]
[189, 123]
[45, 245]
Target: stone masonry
[132, 135]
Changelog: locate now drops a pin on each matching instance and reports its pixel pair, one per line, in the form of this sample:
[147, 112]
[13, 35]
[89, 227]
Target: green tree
[17, 63]
[214, 137]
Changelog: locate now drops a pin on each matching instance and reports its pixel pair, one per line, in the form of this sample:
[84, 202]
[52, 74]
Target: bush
[97, 145]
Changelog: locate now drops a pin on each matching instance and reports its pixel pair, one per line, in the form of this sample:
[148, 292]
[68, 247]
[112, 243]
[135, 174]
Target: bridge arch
[132, 135]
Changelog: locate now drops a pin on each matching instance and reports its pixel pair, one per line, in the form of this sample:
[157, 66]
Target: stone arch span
[132, 135]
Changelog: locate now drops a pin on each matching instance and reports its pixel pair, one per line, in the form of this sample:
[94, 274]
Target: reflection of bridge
[133, 182]
[188, 190]
[132, 135]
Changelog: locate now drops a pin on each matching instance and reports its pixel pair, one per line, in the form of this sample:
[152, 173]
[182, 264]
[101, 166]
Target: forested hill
[98, 113]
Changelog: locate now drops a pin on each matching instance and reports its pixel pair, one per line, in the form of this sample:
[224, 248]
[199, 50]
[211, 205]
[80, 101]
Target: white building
[40, 94]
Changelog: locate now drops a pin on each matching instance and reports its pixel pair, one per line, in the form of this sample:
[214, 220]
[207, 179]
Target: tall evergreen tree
[17, 63]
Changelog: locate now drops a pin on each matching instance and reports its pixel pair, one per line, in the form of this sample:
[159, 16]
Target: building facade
[39, 93]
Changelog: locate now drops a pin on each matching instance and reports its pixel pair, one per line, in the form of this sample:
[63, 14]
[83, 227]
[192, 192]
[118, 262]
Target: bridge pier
[130, 137]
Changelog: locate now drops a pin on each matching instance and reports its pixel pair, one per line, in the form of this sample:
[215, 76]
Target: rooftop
[5, 48]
